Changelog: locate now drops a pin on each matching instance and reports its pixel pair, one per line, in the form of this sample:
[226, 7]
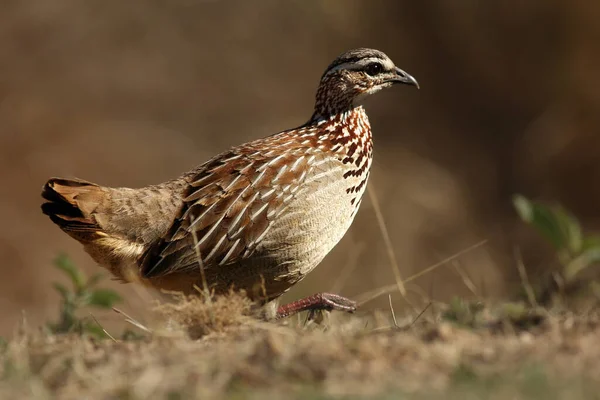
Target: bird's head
[353, 76]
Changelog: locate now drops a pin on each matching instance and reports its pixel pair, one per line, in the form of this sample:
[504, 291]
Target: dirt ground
[439, 355]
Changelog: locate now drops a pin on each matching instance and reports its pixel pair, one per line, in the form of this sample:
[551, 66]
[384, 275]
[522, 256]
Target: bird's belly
[314, 223]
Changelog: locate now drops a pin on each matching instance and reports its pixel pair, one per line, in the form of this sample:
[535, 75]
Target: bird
[255, 218]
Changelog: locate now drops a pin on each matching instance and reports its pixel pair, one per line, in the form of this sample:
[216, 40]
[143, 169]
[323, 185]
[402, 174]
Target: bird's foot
[319, 301]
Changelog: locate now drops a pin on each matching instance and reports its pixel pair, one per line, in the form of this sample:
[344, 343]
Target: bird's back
[264, 214]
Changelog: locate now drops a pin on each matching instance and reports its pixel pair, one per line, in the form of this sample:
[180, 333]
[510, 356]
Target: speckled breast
[325, 205]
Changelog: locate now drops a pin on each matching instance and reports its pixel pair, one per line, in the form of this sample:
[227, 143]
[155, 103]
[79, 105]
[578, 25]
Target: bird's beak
[403, 77]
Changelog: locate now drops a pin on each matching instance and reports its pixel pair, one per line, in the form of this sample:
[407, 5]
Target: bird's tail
[112, 223]
[75, 206]
[70, 204]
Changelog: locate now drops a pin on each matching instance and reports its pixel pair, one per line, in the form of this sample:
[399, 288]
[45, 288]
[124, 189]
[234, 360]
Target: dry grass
[505, 352]
[197, 317]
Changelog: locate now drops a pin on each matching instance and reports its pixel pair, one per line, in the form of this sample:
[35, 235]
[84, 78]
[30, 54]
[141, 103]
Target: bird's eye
[374, 68]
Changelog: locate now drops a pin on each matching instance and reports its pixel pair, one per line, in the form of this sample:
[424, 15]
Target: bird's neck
[335, 95]
[349, 117]
[339, 113]
[344, 128]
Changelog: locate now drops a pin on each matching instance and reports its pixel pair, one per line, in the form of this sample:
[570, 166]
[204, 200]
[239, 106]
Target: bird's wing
[229, 207]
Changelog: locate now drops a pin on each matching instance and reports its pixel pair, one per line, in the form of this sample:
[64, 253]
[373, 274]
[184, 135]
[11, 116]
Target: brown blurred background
[133, 93]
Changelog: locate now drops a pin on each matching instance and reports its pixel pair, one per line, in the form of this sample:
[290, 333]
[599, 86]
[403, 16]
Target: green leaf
[65, 264]
[556, 224]
[541, 218]
[60, 288]
[571, 230]
[104, 298]
[590, 243]
[580, 263]
[463, 312]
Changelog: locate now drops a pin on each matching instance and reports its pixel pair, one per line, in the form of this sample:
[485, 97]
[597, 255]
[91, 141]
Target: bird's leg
[319, 301]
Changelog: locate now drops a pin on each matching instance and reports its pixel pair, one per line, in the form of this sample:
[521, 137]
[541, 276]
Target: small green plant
[575, 250]
[496, 317]
[83, 293]
[463, 312]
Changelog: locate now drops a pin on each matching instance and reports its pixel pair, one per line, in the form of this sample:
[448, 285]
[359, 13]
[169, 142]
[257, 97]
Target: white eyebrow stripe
[388, 65]
[360, 64]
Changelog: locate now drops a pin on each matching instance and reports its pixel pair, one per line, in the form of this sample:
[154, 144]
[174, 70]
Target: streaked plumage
[262, 215]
